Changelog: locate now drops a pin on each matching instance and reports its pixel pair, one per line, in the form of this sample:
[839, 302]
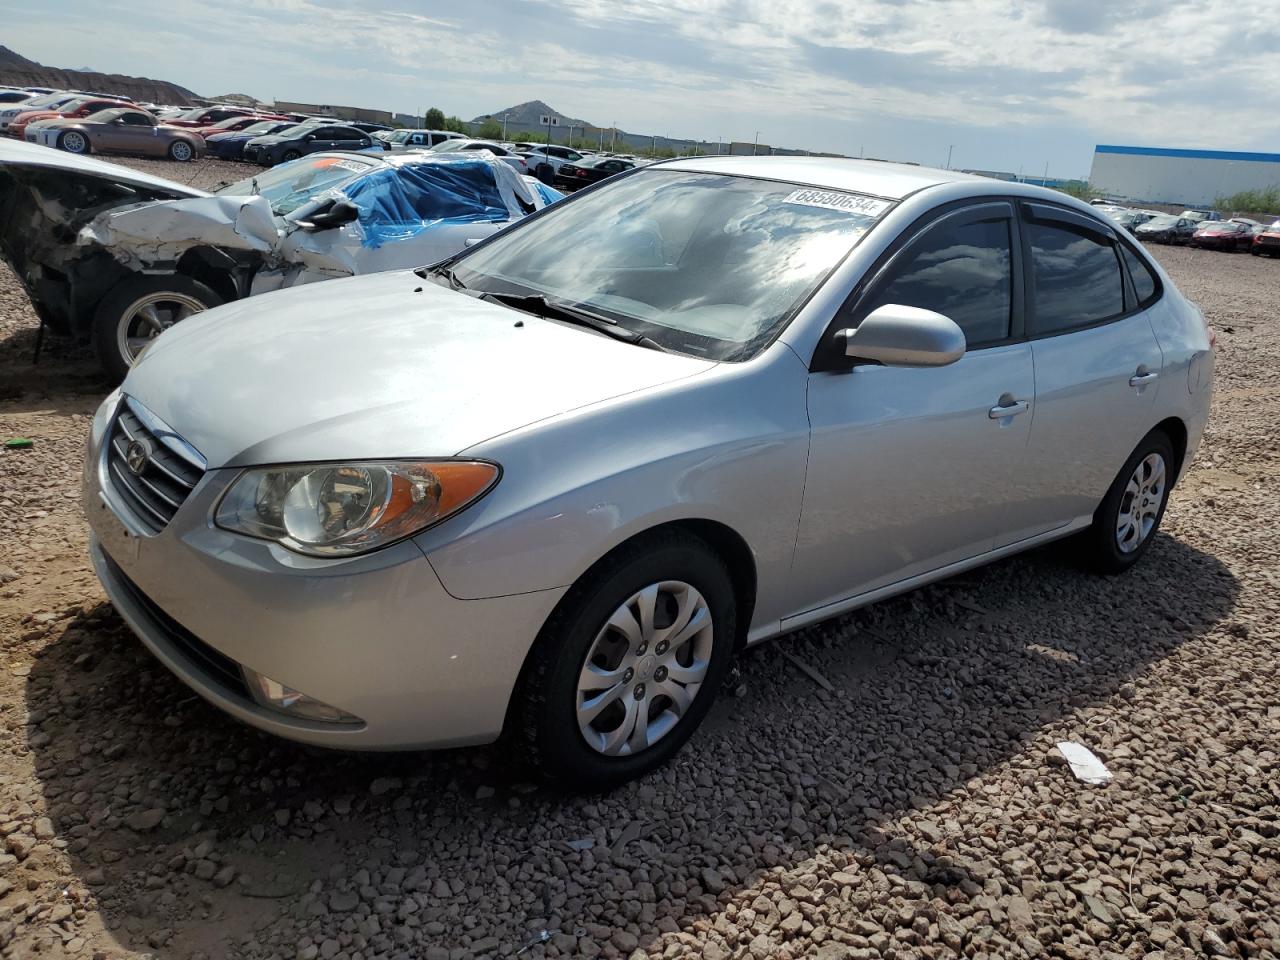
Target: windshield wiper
[445, 271]
[557, 309]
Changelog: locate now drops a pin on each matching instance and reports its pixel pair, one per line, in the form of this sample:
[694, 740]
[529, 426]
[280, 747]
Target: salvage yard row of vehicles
[1205, 229]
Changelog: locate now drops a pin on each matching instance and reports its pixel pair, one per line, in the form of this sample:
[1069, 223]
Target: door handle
[1142, 377]
[1010, 409]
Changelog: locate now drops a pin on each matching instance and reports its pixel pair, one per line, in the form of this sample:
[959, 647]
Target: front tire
[628, 665]
[181, 151]
[1126, 521]
[74, 142]
[290, 155]
[139, 309]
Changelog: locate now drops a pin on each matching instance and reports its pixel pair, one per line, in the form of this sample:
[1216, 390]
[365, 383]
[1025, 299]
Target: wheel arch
[1176, 431]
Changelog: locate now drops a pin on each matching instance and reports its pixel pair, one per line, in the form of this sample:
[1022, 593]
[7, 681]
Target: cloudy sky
[1011, 84]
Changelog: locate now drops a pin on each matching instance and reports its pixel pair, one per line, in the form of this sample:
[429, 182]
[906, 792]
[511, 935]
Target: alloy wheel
[644, 669]
[73, 142]
[181, 150]
[148, 317]
[1140, 505]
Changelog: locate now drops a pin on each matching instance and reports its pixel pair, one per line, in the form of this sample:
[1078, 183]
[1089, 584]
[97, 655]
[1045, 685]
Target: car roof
[892, 181]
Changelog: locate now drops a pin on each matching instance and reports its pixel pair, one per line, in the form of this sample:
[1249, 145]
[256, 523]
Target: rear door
[1097, 365]
[910, 469]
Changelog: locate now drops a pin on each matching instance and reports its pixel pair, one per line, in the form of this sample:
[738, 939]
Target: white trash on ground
[1084, 764]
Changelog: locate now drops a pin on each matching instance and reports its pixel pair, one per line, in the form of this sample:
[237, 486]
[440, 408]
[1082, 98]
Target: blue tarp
[400, 202]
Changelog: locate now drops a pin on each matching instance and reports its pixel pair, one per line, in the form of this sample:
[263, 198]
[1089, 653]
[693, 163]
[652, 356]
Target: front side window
[704, 264]
[963, 271]
[1077, 278]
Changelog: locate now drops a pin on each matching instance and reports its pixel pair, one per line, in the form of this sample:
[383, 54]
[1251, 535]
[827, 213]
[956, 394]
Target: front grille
[216, 667]
[158, 481]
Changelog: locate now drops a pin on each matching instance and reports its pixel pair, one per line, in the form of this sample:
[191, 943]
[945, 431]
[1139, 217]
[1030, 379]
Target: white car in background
[539, 155]
[506, 154]
[117, 256]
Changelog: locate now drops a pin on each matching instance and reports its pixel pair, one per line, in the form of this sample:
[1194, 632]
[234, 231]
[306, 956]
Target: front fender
[730, 445]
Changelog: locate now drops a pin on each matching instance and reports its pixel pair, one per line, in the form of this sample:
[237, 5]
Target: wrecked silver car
[115, 255]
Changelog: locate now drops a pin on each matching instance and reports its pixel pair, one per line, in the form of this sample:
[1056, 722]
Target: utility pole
[1044, 181]
[504, 126]
[755, 147]
[653, 146]
[949, 149]
[613, 145]
[601, 147]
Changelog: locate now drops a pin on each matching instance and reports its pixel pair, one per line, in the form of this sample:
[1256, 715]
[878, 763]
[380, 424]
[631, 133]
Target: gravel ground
[917, 809]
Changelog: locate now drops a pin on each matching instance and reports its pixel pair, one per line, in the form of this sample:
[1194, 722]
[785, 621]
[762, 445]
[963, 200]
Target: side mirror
[899, 336]
[309, 137]
[335, 215]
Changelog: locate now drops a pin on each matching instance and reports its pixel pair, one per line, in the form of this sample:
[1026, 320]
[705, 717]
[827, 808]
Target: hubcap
[148, 317]
[1140, 505]
[644, 669]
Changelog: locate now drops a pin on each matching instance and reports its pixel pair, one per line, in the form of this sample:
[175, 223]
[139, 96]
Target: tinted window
[962, 271]
[1077, 278]
[137, 119]
[347, 133]
[1144, 281]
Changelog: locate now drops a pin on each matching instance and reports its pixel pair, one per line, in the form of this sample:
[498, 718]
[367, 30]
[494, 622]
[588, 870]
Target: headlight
[341, 509]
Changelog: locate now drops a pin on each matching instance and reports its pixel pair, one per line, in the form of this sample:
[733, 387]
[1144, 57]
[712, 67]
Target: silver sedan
[546, 489]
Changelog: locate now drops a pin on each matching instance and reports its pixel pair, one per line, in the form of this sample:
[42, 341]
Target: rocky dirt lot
[916, 809]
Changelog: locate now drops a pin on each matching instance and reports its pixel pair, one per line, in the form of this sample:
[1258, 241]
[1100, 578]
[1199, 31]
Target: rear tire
[1126, 521]
[73, 142]
[129, 315]
[581, 656]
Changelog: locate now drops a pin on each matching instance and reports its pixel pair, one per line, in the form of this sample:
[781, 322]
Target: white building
[1191, 177]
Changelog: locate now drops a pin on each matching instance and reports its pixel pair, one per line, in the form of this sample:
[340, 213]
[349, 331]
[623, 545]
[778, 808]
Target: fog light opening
[294, 703]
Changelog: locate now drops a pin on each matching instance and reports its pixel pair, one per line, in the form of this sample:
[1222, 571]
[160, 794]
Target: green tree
[435, 119]
[1265, 201]
[456, 125]
[490, 130]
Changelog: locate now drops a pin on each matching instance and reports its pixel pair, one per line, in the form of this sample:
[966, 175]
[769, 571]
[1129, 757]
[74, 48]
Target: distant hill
[527, 115]
[18, 71]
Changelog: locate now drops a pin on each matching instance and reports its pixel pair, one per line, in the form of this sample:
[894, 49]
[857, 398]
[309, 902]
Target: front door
[910, 469]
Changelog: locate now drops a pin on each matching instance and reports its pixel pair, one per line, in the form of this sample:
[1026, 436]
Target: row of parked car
[1198, 228]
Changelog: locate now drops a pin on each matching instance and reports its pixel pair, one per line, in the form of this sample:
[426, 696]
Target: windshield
[704, 264]
[229, 122]
[1220, 227]
[290, 185]
[1164, 220]
[263, 126]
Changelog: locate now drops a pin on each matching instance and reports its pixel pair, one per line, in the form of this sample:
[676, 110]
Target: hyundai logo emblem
[136, 456]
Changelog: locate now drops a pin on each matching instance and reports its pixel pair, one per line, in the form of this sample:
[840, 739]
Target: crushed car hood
[380, 366]
[21, 154]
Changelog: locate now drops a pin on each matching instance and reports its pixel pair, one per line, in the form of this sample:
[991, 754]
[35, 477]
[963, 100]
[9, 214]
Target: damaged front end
[73, 229]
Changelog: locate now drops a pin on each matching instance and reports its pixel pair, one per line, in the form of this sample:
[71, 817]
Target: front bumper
[376, 636]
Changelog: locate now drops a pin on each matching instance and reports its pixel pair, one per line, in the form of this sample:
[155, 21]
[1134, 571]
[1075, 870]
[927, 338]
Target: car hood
[386, 365]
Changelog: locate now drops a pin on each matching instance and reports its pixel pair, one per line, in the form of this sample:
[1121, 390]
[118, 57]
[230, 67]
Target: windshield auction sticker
[831, 200]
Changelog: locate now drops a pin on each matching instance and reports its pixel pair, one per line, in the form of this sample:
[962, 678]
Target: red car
[231, 124]
[1266, 242]
[207, 116]
[71, 110]
[1222, 235]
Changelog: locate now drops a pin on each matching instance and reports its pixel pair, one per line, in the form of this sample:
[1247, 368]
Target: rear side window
[1144, 281]
[962, 271]
[1077, 278]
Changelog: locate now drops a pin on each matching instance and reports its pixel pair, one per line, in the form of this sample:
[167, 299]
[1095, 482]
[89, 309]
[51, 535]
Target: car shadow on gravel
[64, 365]
[195, 833]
